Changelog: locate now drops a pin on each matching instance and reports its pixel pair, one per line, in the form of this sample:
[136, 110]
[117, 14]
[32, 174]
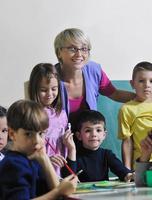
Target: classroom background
[120, 32]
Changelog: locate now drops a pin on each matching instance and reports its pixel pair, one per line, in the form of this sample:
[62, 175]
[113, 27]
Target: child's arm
[66, 187]
[146, 149]
[69, 143]
[127, 151]
[124, 127]
[50, 174]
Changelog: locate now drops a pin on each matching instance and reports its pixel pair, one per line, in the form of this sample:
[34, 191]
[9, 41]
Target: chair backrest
[110, 110]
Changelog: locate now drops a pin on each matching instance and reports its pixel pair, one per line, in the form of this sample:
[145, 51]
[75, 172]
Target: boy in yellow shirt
[135, 116]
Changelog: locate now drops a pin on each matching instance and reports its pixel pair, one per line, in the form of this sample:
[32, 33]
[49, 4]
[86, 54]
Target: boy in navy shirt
[26, 171]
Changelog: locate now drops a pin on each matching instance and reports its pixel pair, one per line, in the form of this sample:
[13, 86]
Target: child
[3, 131]
[26, 171]
[44, 88]
[135, 117]
[93, 160]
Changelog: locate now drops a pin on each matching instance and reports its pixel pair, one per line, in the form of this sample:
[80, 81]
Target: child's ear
[59, 54]
[11, 133]
[132, 84]
[78, 135]
[105, 134]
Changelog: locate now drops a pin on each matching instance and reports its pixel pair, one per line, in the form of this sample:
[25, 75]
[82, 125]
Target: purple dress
[57, 126]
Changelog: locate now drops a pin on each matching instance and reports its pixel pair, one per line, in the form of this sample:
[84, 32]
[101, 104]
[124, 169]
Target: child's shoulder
[18, 164]
[129, 105]
[16, 160]
[134, 104]
[104, 151]
[107, 152]
[52, 113]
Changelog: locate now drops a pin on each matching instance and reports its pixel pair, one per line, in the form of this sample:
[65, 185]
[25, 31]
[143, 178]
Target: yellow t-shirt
[135, 119]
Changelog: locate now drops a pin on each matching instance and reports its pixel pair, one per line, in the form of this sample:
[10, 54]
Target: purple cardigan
[92, 77]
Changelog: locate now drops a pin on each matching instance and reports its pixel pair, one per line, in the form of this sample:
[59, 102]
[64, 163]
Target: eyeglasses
[74, 50]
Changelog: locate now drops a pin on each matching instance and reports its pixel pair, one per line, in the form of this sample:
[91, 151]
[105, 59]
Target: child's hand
[68, 185]
[129, 177]
[58, 160]
[68, 140]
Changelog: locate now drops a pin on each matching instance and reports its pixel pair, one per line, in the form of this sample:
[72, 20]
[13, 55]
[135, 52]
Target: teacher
[82, 80]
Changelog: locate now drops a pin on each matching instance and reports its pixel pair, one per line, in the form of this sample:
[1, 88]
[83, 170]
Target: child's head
[44, 86]
[3, 128]
[70, 37]
[27, 122]
[142, 81]
[91, 129]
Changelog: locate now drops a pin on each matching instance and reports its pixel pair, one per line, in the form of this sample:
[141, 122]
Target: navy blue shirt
[20, 178]
[96, 165]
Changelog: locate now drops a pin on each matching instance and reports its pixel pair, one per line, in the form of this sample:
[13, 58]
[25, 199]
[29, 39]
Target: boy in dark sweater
[26, 171]
[90, 157]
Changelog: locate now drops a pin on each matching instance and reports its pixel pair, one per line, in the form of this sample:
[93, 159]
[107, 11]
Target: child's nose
[48, 92]
[147, 83]
[94, 133]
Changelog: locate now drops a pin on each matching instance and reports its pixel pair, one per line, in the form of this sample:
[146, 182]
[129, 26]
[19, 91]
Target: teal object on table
[148, 178]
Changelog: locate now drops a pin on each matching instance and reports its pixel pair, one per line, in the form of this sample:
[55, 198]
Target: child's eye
[29, 134]
[87, 130]
[55, 87]
[141, 81]
[43, 90]
[99, 130]
[5, 130]
[42, 134]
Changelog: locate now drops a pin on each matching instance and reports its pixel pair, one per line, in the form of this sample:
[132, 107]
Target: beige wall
[120, 32]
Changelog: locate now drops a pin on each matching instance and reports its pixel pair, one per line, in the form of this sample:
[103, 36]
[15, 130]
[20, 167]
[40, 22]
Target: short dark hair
[27, 115]
[44, 70]
[3, 111]
[92, 116]
[142, 66]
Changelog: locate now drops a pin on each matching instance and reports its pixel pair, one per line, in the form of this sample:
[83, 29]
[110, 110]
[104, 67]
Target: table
[130, 192]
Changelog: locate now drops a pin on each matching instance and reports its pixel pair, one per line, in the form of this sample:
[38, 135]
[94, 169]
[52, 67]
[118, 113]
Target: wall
[120, 32]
